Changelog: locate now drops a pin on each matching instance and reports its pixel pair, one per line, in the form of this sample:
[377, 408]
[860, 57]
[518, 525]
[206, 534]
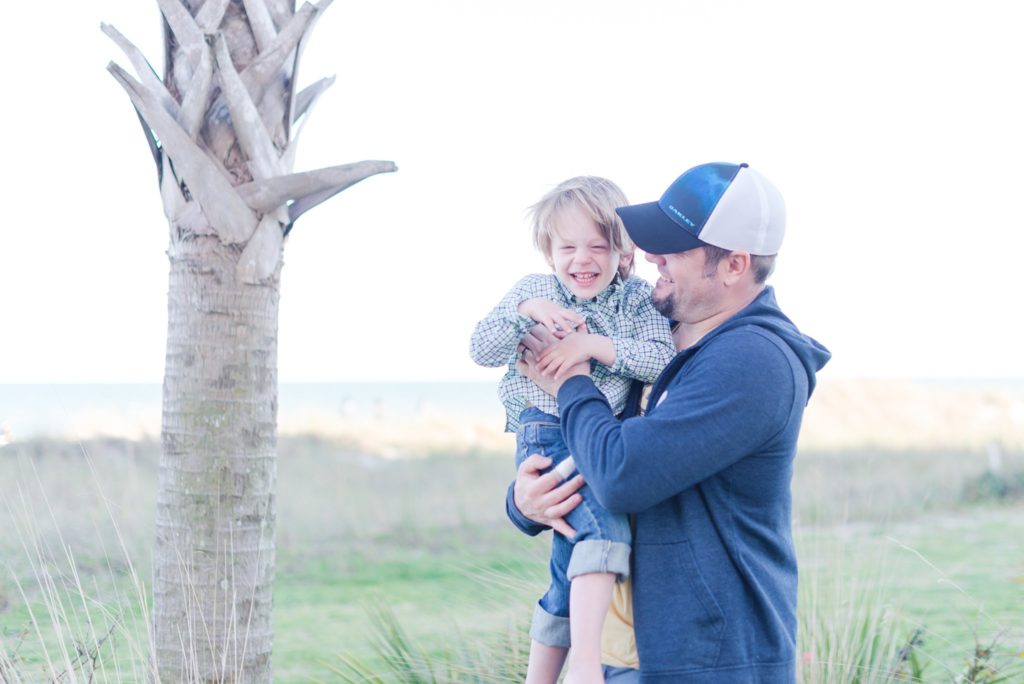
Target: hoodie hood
[764, 312]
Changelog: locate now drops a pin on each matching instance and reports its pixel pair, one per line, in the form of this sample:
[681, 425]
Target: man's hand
[545, 499]
[557, 319]
[528, 366]
[537, 339]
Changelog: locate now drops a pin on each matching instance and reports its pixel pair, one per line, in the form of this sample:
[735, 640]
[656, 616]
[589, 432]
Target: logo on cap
[681, 215]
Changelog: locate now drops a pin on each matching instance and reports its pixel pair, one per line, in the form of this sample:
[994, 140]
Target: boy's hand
[558, 359]
[535, 347]
[563, 354]
[559, 320]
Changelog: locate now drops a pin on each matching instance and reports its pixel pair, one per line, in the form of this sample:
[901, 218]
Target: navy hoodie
[707, 472]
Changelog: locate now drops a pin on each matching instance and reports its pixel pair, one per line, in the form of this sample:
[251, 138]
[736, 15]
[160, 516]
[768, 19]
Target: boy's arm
[646, 346]
[576, 348]
[640, 352]
[496, 337]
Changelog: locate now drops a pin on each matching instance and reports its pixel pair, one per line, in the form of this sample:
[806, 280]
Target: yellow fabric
[618, 641]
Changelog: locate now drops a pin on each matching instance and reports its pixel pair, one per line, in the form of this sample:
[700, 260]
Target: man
[707, 469]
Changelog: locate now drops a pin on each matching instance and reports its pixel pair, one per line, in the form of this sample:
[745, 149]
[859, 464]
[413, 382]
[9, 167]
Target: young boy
[600, 311]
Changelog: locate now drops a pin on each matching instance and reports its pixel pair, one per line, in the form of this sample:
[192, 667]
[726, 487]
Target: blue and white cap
[726, 205]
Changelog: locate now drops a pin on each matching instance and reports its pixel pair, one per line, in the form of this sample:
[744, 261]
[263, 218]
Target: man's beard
[665, 306]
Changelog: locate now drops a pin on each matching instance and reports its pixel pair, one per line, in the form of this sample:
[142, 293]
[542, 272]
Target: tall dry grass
[85, 624]
[78, 517]
[76, 525]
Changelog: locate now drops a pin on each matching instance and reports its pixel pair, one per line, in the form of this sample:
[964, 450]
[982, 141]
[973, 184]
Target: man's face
[580, 256]
[687, 290]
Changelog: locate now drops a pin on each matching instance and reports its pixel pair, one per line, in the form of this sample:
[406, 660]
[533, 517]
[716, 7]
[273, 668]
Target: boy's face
[580, 256]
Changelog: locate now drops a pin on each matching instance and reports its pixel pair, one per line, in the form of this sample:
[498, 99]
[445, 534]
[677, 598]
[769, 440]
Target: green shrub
[994, 486]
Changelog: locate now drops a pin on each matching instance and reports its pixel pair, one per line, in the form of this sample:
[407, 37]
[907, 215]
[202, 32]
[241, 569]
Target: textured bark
[219, 127]
[214, 554]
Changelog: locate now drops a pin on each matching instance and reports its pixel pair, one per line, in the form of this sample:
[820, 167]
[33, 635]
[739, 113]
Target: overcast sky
[895, 131]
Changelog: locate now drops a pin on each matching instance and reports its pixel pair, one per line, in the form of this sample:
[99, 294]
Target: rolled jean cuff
[599, 555]
[620, 675]
[548, 629]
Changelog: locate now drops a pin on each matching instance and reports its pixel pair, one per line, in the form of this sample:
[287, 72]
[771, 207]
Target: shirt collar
[611, 291]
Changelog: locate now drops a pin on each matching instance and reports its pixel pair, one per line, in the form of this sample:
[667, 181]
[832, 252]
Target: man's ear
[735, 266]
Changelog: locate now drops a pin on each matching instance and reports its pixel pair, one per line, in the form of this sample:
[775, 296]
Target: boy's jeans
[602, 540]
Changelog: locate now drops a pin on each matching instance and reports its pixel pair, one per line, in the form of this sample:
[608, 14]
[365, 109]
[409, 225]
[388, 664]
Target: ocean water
[942, 411]
[59, 410]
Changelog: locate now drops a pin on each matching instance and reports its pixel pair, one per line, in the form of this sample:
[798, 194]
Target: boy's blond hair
[598, 197]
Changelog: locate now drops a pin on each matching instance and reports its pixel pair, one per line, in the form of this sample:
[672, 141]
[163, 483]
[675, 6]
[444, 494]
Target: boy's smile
[580, 256]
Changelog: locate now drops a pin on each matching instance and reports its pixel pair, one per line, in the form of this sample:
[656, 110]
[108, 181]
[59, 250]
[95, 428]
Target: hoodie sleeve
[730, 398]
[496, 337]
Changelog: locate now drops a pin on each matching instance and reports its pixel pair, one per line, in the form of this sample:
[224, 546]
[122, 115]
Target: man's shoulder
[749, 338]
[741, 352]
[748, 359]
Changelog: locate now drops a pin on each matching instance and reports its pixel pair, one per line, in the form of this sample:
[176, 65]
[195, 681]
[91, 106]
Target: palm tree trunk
[219, 126]
[214, 555]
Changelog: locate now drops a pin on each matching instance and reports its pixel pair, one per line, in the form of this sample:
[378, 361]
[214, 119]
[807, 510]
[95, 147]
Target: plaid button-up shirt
[622, 312]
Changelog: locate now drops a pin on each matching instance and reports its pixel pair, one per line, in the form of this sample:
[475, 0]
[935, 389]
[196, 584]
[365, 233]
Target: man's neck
[688, 334]
[685, 335]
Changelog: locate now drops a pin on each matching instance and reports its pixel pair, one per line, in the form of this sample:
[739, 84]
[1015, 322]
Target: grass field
[897, 540]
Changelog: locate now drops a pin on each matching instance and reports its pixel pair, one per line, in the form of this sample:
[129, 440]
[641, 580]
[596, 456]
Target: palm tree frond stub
[219, 128]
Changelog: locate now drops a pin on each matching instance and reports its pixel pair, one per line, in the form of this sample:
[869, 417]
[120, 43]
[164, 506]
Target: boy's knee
[604, 556]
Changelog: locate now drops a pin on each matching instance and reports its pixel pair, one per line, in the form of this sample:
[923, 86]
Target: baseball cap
[726, 205]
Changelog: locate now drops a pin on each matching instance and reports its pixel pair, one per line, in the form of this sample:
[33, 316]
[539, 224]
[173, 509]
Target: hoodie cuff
[576, 387]
[524, 524]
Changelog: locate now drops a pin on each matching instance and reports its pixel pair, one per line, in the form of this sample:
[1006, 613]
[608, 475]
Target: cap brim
[654, 232]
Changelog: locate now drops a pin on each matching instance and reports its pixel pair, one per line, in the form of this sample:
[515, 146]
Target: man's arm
[535, 502]
[720, 412]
